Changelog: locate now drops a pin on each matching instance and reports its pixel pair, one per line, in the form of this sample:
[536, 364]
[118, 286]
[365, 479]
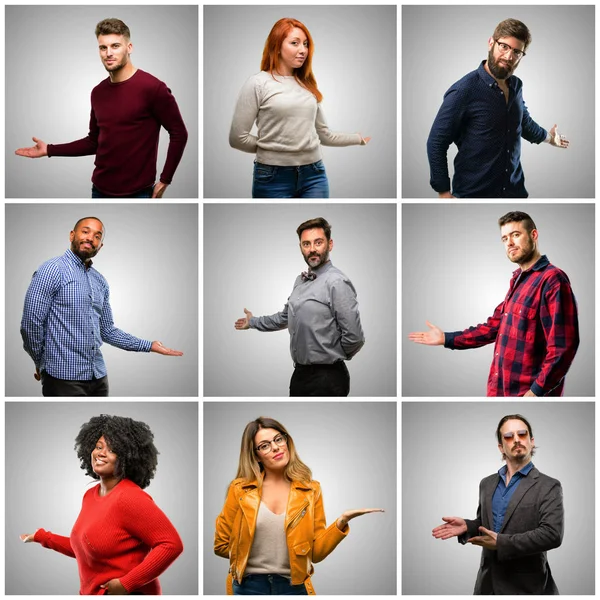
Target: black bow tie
[308, 275]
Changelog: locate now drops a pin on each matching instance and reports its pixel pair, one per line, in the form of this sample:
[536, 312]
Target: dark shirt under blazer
[533, 524]
[487, 131]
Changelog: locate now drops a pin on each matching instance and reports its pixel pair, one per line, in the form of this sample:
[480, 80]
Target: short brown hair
[116, 26]
[513, 28]
[516, 216]
[318, 223]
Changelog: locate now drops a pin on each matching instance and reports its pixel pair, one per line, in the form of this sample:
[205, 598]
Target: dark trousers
[320, 380]
[145, 193]
[267, 585]
[51, 386]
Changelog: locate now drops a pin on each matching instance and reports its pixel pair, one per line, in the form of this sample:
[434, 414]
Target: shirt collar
[488, 79]
[72, 257]
[541, 264]
[523, 472]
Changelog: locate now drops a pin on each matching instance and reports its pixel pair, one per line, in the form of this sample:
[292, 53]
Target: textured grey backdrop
[455, 272]
[441, 44]
[448, 448]
[251, 260]
[45, 486]
[52, 65]
[337, 440]
[355, 66]
[150, 260]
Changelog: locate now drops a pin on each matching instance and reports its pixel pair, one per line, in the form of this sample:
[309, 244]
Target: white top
[269, 552]
[291, 125]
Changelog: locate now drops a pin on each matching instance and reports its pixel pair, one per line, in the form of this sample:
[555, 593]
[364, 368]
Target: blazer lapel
[487, 519]
[525, 484]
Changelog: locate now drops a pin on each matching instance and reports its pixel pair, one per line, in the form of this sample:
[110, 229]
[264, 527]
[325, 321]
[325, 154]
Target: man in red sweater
[128, 110]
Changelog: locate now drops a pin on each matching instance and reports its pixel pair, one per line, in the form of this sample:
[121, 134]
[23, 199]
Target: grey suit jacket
[532, 525]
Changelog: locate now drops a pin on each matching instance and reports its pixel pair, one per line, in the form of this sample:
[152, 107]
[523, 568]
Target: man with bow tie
[322, 317]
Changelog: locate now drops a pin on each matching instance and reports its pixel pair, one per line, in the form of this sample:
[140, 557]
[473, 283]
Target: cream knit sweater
[291, 125]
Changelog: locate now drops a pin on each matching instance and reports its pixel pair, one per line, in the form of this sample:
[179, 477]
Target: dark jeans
[51, 386]
[305, 181]
[145, 193]
[272, 585]
[320, 380]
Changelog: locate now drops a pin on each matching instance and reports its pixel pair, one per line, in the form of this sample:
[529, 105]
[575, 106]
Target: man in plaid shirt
[67, 316]
[535, 327]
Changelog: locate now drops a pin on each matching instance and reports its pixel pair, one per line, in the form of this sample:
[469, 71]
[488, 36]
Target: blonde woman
[272, 526]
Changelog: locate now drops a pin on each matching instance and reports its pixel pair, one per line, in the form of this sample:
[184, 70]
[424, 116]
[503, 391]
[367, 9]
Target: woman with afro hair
[122, 541]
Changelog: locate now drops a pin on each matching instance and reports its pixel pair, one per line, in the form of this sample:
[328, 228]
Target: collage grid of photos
[232, 205]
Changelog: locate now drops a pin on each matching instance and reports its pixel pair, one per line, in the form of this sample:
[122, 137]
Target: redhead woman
[121, 540]
[272, 526]
[285, 102]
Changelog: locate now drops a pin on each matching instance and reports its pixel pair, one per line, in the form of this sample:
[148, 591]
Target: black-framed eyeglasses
[504, 48]
[509, 435]
[280, 440]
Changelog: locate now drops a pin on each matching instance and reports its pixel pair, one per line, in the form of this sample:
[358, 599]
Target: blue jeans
[145, 193]
[306, 181]
[271, 585]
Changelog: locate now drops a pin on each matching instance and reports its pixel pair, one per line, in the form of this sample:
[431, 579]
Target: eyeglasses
[509, 435]
[279, 440]
[504, 48]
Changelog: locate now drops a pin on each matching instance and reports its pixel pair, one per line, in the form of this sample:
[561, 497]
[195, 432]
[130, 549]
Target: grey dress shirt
[322, 318]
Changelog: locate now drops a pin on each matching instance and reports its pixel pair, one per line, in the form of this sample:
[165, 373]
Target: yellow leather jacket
[308, 539]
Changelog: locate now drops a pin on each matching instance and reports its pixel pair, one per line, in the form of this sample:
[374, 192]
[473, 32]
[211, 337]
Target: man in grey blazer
[520, 516]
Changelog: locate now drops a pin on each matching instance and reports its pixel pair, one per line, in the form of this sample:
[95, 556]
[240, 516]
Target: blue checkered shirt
[66, 318]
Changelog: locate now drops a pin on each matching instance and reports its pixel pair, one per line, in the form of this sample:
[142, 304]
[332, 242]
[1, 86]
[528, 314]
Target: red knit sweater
[122, 535]
[124, 128]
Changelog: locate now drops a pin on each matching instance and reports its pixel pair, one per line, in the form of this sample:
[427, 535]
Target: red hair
[270, 58]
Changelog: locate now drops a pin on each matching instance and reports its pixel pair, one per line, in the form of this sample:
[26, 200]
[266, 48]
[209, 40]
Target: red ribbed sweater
[124, 127]
[122, 535]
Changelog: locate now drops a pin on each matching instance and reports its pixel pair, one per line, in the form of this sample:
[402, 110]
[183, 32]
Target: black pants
[51, 386]
[320, 380]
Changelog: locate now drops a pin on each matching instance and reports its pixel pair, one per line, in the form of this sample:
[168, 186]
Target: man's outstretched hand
[452, 527]
[558, 140]
[160, 349]
[433, 337]
[40, 149]
[244, 323]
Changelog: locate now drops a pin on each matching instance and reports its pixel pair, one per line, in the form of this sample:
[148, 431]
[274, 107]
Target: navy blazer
[533, 524]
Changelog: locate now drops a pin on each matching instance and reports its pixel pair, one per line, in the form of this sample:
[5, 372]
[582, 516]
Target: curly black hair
[132, 442]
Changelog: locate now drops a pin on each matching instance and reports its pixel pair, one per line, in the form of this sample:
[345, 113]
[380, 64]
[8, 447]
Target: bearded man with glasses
[485, 116]
[520, 517]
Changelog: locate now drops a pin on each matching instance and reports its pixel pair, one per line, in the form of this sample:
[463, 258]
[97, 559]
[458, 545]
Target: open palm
[433, 337]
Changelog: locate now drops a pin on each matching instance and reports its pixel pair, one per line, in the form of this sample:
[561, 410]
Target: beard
[524, 255]
[497, 70]
[83, 253]
[117, 66]
[323, 258]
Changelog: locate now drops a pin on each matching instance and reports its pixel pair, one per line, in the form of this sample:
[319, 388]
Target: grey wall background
[150, 260]
[52, 65]
[45, 486]
[441, 44]
[351, 449]
[455, 272]
[252, 258]
[355, 67]
[448, 448]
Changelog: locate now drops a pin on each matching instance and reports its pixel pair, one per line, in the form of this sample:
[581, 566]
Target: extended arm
[558, 315]
[146, 522]
[246, 111]
[326, 538]
[444, 131]
[345, 310]
[474, 337]
[270, 322]
[332, 138]
[225, 523]
[531, 131]
[50, 540]
[38, 301]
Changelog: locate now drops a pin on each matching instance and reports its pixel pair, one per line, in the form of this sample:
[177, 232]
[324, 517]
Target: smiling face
[314, 247]
[520, 245]
[104, 460]
[271, 449]
[294, 50]
[503, 63]
[516, 444]
[114, 51]
[86, 238]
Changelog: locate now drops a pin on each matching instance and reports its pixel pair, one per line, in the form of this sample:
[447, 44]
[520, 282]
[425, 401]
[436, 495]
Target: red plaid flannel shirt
[536, 333]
